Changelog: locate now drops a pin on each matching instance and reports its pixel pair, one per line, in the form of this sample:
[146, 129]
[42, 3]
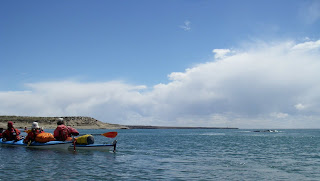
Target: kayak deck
[48, 145]
[100, 147]
[63, 145]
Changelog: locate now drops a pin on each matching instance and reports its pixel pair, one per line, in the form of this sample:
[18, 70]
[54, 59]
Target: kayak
[48, 145]
[99, 147]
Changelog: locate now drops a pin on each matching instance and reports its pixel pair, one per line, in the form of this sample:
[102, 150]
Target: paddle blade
[110, 134]
[27, 131]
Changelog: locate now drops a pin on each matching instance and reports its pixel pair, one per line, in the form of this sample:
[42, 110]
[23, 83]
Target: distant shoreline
[82, 122]
[174, 127]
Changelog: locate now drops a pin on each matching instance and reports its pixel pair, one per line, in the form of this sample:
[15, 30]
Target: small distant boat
[99, 147]
[62, 145]
[268, 130]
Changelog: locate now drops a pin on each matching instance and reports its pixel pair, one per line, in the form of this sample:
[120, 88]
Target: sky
[245, 64]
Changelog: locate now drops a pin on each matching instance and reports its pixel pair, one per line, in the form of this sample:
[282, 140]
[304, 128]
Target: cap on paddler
[60, 121]
[10, 124]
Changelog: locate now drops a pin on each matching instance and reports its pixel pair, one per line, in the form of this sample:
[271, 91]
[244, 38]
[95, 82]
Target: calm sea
[175, 154]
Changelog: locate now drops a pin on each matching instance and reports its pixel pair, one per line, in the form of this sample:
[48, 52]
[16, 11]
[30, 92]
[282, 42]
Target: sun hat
[35, 125]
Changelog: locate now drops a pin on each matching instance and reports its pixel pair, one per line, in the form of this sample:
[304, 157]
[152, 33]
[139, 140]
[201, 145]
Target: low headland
[78, 122]
[81, 122]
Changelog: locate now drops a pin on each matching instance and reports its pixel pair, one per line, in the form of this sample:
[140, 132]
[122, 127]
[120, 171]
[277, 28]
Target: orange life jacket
[44, 137]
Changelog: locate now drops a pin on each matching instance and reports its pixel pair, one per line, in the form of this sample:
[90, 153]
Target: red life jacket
[72, 131]
[32, 136]
[61, 133]
[11, 134]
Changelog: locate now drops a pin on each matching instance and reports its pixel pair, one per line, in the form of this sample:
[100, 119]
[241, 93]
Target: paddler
[11, 133]
[35, 130]
[62, 132]
[1, 130]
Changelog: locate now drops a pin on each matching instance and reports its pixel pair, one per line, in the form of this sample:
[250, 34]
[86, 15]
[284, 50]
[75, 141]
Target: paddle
[110, 134]
[74, 144]
[27, 131]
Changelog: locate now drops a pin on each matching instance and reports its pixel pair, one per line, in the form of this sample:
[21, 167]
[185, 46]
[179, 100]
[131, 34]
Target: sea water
[175, 154]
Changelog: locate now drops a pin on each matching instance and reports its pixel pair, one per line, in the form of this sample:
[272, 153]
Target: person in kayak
[11, 133]
[1, 130]
[62, 132]
[35, 130]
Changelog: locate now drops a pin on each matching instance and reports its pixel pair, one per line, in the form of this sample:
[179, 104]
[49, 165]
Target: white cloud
[186, 26]
[300, 106]
[307, 46]
[176, 76]
[265, 86]
[279, 115]
[220, 53]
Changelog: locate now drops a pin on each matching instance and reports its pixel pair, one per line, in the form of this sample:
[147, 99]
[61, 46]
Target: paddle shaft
[74, 144]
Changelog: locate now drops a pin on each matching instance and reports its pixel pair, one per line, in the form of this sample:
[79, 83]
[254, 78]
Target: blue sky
[162, 62]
